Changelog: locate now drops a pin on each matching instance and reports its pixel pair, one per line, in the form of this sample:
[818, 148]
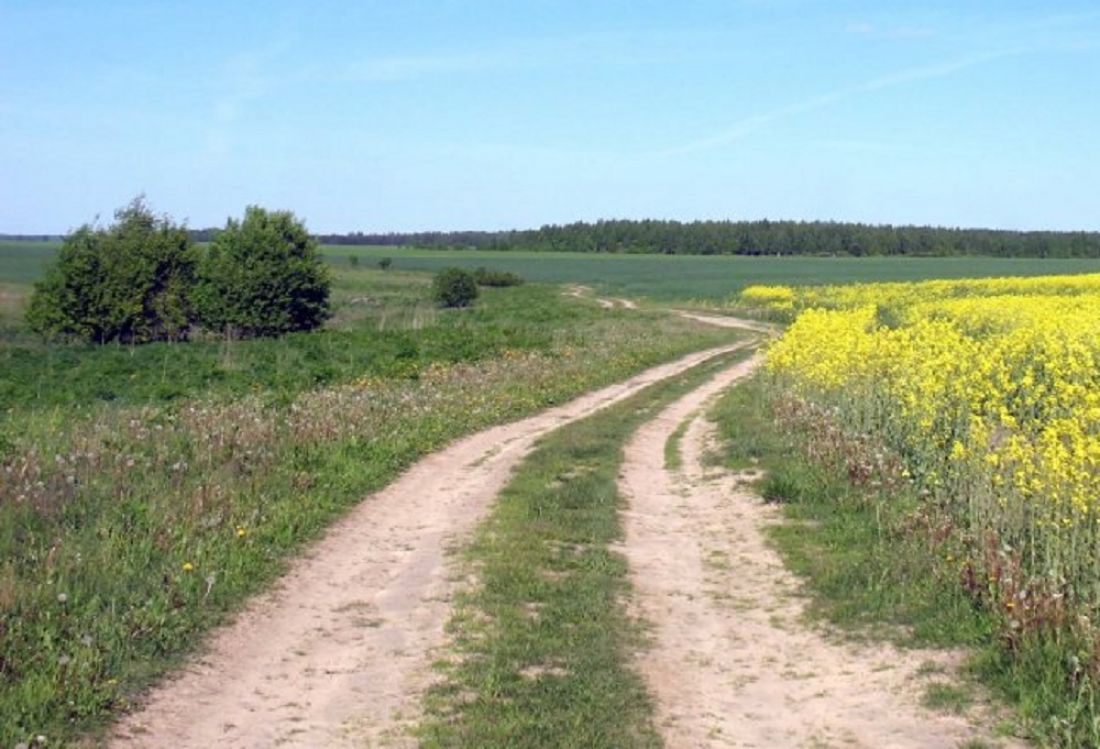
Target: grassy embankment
[542, 641]
[880, 560]
[133, 520]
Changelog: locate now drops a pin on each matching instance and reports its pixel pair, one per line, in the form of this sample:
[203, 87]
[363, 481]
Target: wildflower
[241, 531]
[62, 598]
[188, 567]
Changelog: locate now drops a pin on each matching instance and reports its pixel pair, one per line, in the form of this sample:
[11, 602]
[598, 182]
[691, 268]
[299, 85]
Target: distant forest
[751, 238]
[738, 238]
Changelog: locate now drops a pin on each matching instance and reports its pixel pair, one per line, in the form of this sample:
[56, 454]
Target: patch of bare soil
[733, 661]
[339, 652]
[579, 291]
[727, 321]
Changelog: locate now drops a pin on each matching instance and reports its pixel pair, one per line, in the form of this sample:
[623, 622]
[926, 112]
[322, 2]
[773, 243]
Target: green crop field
[715, 278]
[24, 262]
[659, 277]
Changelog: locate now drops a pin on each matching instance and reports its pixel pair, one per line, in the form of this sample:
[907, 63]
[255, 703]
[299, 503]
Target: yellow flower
[241, 531]
[188, 567]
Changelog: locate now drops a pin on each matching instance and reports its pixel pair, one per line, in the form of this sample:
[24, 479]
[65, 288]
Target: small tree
[129, 282]
[263, 276]
[454, 287]
[385, 263]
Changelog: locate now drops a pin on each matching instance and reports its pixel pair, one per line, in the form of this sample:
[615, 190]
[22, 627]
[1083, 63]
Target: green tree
[454, 287]
[129, 282]
[263, 276]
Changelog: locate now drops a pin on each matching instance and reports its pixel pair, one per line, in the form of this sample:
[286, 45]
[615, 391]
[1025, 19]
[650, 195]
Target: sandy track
[578, 291]
[729, 322]
[733, 663]
[338, 652]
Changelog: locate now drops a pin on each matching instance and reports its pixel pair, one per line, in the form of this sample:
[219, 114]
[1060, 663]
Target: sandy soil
[578, 291]
[729, 322]
[338, 653]
[733, 663]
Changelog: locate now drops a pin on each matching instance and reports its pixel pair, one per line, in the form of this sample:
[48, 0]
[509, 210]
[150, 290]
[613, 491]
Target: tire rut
[733, 662]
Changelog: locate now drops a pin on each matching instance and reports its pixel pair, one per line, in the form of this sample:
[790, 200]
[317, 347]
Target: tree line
[750, 238]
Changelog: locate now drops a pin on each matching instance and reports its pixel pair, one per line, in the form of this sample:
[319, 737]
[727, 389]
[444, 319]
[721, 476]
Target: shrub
[385, 263]
[129, 282]
[454, 287]
[263, 276]
[486, 277]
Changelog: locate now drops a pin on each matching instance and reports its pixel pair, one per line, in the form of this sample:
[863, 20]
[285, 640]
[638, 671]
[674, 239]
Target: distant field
[662, 277]
[667, 277]
[24, 262]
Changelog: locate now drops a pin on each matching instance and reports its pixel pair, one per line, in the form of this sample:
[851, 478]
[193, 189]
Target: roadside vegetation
[875, 555]
[973, 405]
[131, 524]
[542, 640]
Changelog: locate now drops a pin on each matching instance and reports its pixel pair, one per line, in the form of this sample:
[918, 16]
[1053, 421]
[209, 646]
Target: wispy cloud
[754, 123]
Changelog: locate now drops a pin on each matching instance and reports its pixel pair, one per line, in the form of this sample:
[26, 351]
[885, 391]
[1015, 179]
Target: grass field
[711, 278]
[659, 277]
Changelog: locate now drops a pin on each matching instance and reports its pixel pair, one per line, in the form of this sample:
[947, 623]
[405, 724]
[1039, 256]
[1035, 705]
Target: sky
[409, 115]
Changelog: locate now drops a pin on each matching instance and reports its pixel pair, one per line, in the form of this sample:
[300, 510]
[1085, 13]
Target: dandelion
[188, 567]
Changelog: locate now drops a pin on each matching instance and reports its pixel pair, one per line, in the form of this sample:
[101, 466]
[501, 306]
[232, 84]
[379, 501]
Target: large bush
[128, 282]
[454, 287]
[263, 276]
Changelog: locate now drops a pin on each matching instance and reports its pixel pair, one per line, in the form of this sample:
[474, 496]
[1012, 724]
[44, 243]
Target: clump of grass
[673, 458]
[947, 698]
[542, 641]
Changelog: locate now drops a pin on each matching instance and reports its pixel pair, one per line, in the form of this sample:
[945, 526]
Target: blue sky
[495, 114]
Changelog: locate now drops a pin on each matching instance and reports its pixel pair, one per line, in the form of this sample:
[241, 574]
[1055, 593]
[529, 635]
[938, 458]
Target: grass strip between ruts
[542, 639]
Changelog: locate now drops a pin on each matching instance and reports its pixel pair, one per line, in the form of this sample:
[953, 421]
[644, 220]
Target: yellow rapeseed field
[990, 391]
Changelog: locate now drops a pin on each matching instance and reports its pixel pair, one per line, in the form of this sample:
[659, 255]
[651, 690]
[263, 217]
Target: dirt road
[733, 663]
[338, 653]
